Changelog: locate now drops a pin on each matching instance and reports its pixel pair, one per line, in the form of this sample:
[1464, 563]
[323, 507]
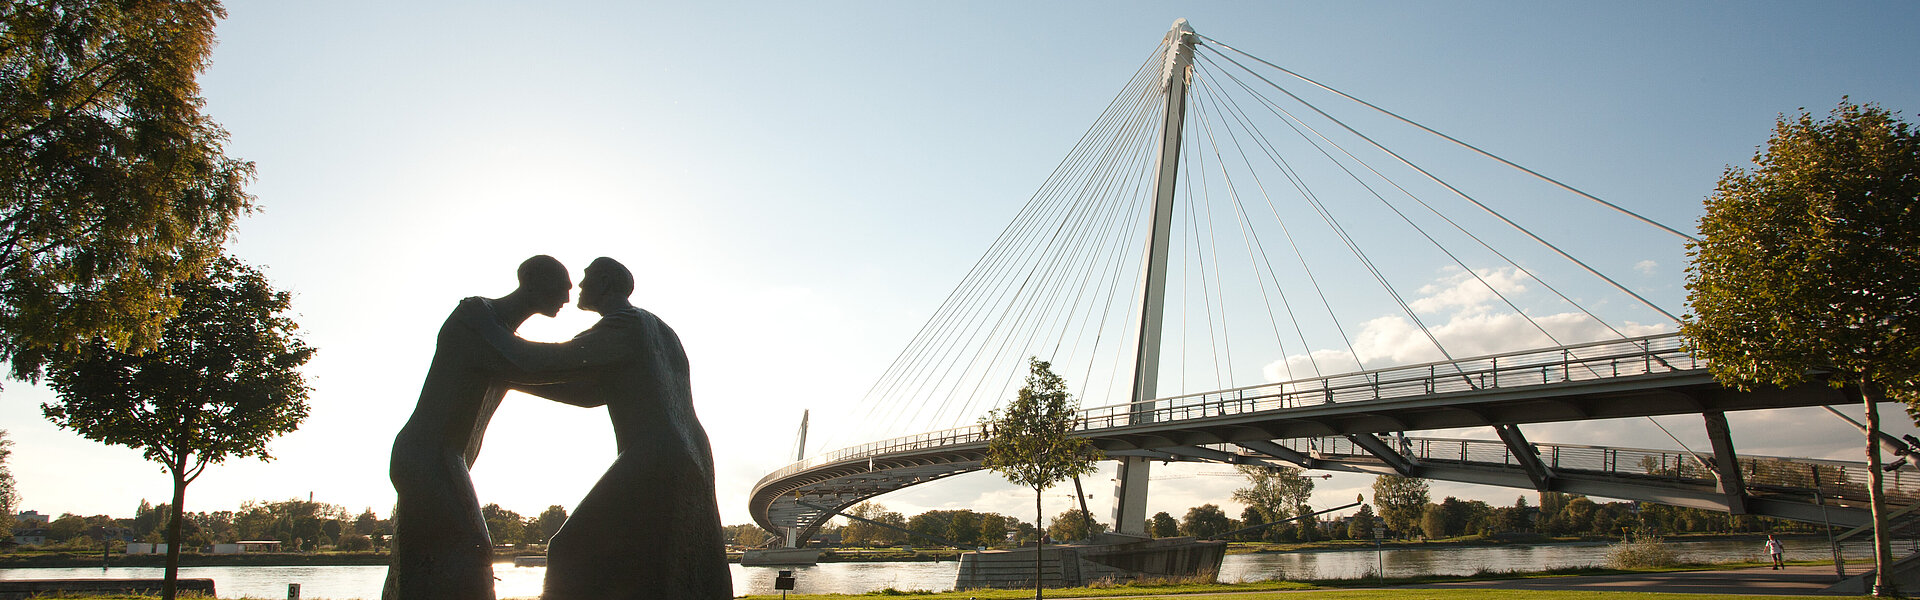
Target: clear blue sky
[798, 186]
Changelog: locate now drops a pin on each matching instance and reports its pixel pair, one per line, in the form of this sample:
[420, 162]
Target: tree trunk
[170, 586]
[1039, 541]
[1882, 547]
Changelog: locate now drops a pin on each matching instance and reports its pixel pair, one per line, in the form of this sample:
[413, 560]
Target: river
[363, 582]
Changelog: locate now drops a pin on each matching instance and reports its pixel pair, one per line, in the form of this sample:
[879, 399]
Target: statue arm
[577, 393]
[537, 362]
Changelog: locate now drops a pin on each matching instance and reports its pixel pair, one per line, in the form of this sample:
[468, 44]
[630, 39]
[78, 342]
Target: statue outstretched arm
[538, 362]
[577, 393]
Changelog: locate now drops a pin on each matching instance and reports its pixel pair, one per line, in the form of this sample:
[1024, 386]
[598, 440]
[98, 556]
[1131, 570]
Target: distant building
[30, 536]
[31, 517]
[247, 546]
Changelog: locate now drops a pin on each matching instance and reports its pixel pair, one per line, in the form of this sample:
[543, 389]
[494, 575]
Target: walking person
[1775, 551]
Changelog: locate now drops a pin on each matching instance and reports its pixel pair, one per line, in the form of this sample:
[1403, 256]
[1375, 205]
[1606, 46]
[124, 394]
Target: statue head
[607, 284]
[544, 283]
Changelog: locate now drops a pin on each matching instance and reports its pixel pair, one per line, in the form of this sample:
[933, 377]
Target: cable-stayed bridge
[1297, 251]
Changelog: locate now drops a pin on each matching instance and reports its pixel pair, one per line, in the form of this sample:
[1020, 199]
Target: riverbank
[835, 555]
[1552, 584]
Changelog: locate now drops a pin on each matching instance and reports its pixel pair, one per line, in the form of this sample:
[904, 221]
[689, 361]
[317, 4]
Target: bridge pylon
[1130, 487]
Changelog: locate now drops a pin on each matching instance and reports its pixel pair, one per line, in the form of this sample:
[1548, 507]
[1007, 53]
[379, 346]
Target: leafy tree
[750, 536]
[1810, 263]
[1205, 521]
[859, 533]
[1279, 492]
[223, 380]
[994, 528]
[549, 522]
[1361, 526]
[1433, 522]
[502, 525]
[1074, 524]
[113, 186]
[1400, 500]
[367, 523]
[963, 527]
[1030, 443]
[1163, 525]
[9, 497]
[1251, 516]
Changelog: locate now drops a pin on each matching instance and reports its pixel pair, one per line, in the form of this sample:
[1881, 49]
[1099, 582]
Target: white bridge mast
[1130, 491]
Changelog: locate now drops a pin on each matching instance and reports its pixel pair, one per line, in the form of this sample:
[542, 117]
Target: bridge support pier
[1372, 444]
[1726, 464]
[1130, 496]
[1527, 455]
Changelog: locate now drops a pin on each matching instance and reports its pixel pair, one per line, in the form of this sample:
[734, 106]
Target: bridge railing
[1762, 474]
[1580, 362]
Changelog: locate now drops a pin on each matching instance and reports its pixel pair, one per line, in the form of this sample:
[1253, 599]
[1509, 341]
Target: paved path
[1797, 580]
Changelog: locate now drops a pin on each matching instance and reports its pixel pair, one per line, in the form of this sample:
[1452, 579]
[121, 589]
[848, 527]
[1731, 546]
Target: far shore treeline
[309, 526]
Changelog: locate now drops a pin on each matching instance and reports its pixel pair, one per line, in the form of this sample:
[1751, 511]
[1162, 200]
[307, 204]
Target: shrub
[1640, 552]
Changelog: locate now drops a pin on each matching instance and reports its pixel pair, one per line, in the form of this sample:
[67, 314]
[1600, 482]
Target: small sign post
[784, 583]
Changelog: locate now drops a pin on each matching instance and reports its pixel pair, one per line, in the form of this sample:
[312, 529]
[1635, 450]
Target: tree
[9, 497]
[503, 525]
[1163, 525]
[223, 381]
[113, 186]
[549, 522]
[1433, 521]
[1810, 264]
[994, 528]
[1279, 492]
[1252, 516]
[367, 523]
[1400, 500]
[1205, 521]
[1030, 443]
[1361, 527]
[1074, 524]
[861, 533]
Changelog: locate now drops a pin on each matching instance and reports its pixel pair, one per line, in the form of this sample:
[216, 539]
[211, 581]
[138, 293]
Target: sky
[797, 187]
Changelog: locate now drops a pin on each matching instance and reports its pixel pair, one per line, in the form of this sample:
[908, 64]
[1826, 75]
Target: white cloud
[1646, 267]
[1471, 327]
[1460, 289]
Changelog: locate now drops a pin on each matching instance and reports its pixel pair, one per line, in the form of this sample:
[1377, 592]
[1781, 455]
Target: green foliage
[223, 380]
[1639, 552]
[857, 533]
[113, 186]
[1400, 500]
[1433, 521]
[1361, 526]
[1074, 524]
[504, 526]
[548, 523]
[1280, 492]
[1163, 525]
[1030, 443]
[1811, 261]
[1205, 521]
[9, 497]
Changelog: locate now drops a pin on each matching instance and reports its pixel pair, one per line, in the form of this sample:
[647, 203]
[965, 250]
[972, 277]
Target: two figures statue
[650, 527]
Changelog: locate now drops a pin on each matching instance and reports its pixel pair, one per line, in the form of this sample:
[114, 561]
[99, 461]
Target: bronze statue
[440, 546]
[650, 528]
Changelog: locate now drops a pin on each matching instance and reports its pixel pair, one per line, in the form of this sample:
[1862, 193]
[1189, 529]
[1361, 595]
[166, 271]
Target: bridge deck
[1644, 376]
